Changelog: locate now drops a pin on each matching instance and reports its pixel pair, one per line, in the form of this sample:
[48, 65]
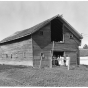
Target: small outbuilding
[38, 45]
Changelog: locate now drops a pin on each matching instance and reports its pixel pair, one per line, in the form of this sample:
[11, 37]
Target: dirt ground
[58, 76]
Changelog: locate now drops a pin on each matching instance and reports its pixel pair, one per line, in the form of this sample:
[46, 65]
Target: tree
[85, 46]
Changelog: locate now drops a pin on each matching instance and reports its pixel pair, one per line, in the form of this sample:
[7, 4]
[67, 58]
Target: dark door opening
[56, 54]
[56, 30]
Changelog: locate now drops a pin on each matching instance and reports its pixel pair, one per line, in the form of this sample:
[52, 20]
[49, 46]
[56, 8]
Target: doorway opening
[56, 54]
[56, 30]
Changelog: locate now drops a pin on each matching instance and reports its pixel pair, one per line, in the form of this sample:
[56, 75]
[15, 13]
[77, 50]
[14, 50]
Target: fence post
[68, 63]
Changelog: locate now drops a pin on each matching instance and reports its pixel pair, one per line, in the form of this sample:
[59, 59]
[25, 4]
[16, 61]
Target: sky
[20, 15]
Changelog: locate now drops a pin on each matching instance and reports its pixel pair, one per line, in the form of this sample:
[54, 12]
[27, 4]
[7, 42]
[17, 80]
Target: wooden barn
[52, 37]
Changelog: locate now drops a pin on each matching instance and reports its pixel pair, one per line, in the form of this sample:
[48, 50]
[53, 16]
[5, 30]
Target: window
[40, 32]
[71, 36]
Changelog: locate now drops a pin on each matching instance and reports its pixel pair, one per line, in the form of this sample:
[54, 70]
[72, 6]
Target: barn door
[73, 56]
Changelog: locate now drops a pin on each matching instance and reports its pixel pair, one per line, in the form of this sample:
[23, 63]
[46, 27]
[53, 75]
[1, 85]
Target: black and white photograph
[43, 43]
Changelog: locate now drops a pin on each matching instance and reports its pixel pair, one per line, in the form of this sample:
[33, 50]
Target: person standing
[64, 60]
[41, 58]
[58, 59]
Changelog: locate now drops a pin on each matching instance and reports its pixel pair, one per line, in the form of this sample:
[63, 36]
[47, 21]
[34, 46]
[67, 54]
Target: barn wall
[72, 44]
[78, 57]
[69, 40]
[36, 54]
[27, 51]
[73, 57]
[42, 43]
[18, 53]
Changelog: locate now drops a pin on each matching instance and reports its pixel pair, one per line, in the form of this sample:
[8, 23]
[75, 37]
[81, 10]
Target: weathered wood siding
[27, 51]
[18, 53]
[42, 43]
[68, 40]
[73, 57]
[72, 45]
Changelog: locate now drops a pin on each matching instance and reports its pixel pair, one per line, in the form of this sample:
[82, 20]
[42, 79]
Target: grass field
[28, 76]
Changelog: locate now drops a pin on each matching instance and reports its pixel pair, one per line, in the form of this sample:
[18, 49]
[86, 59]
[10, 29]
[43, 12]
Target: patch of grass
[28, 76]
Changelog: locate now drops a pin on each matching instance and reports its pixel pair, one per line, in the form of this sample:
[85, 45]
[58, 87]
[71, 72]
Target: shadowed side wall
[17, 52]
[42, 44]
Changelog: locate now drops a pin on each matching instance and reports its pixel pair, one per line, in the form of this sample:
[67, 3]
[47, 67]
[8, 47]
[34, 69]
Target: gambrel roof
[35, 28]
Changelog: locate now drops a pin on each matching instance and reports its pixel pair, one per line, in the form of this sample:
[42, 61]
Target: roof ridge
[72, 28]
[33, 29]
